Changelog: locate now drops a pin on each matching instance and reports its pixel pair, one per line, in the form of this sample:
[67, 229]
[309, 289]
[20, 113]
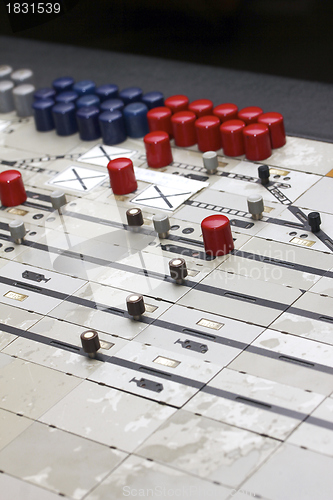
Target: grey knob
[58, 199]
[17, 230]
[210, 161]
[5, 72]
[6, 96]
[161, 225]
[23, 98]
[21, 76]
[256, 206]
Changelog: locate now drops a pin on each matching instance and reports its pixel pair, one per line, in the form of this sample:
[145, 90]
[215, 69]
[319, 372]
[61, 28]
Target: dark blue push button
[67, 96]
[112, 127]
[153, 99]
[43, 114]
[136, 122]
[88, 100]
[108, 91]
[131, 94]
[64, 118]
[62, 84]
[84, 87]
[45, 93]
[112, 105]
[87, 121]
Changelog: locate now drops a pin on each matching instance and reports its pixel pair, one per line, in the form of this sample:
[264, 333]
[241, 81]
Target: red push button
[225, 112]
[122, 177]
[177, 103]
[257, 142]
[274, 122]
[208, 133]
[12, 192]
[201, 107]
[217, 235]
[250, 114]
[183, 128]
[160, 119]
[158, 149]
[232, 137]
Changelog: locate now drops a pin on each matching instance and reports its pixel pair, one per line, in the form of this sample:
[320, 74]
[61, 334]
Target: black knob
[178, 269]
[134, 217]
[263, 173]
[90, 342]
[314, 221]
[135, 305]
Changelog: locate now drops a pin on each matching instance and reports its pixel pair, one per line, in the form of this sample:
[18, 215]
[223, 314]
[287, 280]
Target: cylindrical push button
[108, 91]
[112, 105]
[250, 114]
[177, 103]
[67, 97]
[161, 225]
[6, 96]
[12, 192]
[153, 99]
[158, 149]
[22, 76]
[208, 133]
[210, 161]
[225, 112]
[63, 83]
[84, 87]
[257, 142]
[5, 72]
[112, 126]
[160, 119]
[122, 177]
[201, 107]
[184, 129]
[90, 342]
[45, 93]
[17, 230]
[256, 206]
[64, 119]
[136, 122]
[232, 137]
[88, 100]
[130, 95]
[274, 122]
[23, 98]
[178, 269]
[135, 305]
[58, 199]
[217, 235]
[134, 217]
[43, 115]
[88, 124]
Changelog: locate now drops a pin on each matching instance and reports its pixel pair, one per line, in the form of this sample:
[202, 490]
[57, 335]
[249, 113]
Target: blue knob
[67, 96]
[87, 121]
[131, 94]
[112, 127]
[64, 118]
[62, 84]
[112, 105]
[136, 122]
[43, 114]
[153, 99]
[108, 91]
[88, 100]
[45, 93]
[84, 87]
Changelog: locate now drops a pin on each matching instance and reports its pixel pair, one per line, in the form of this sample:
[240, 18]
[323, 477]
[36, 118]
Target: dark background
[292, 38]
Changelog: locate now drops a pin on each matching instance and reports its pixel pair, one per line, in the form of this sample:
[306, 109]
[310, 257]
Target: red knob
[183, 128]
[257, 142]
[12, 192]
[232, 137]
[201, 107]
[226, 112]
[158, 149]
[250, 114]
[160, 119]
[217, 235]
[274, 122]
[208, 133]
[122, 177]
[177, 103]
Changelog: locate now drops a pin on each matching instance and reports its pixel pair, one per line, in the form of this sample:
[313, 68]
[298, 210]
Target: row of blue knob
[70, 107]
